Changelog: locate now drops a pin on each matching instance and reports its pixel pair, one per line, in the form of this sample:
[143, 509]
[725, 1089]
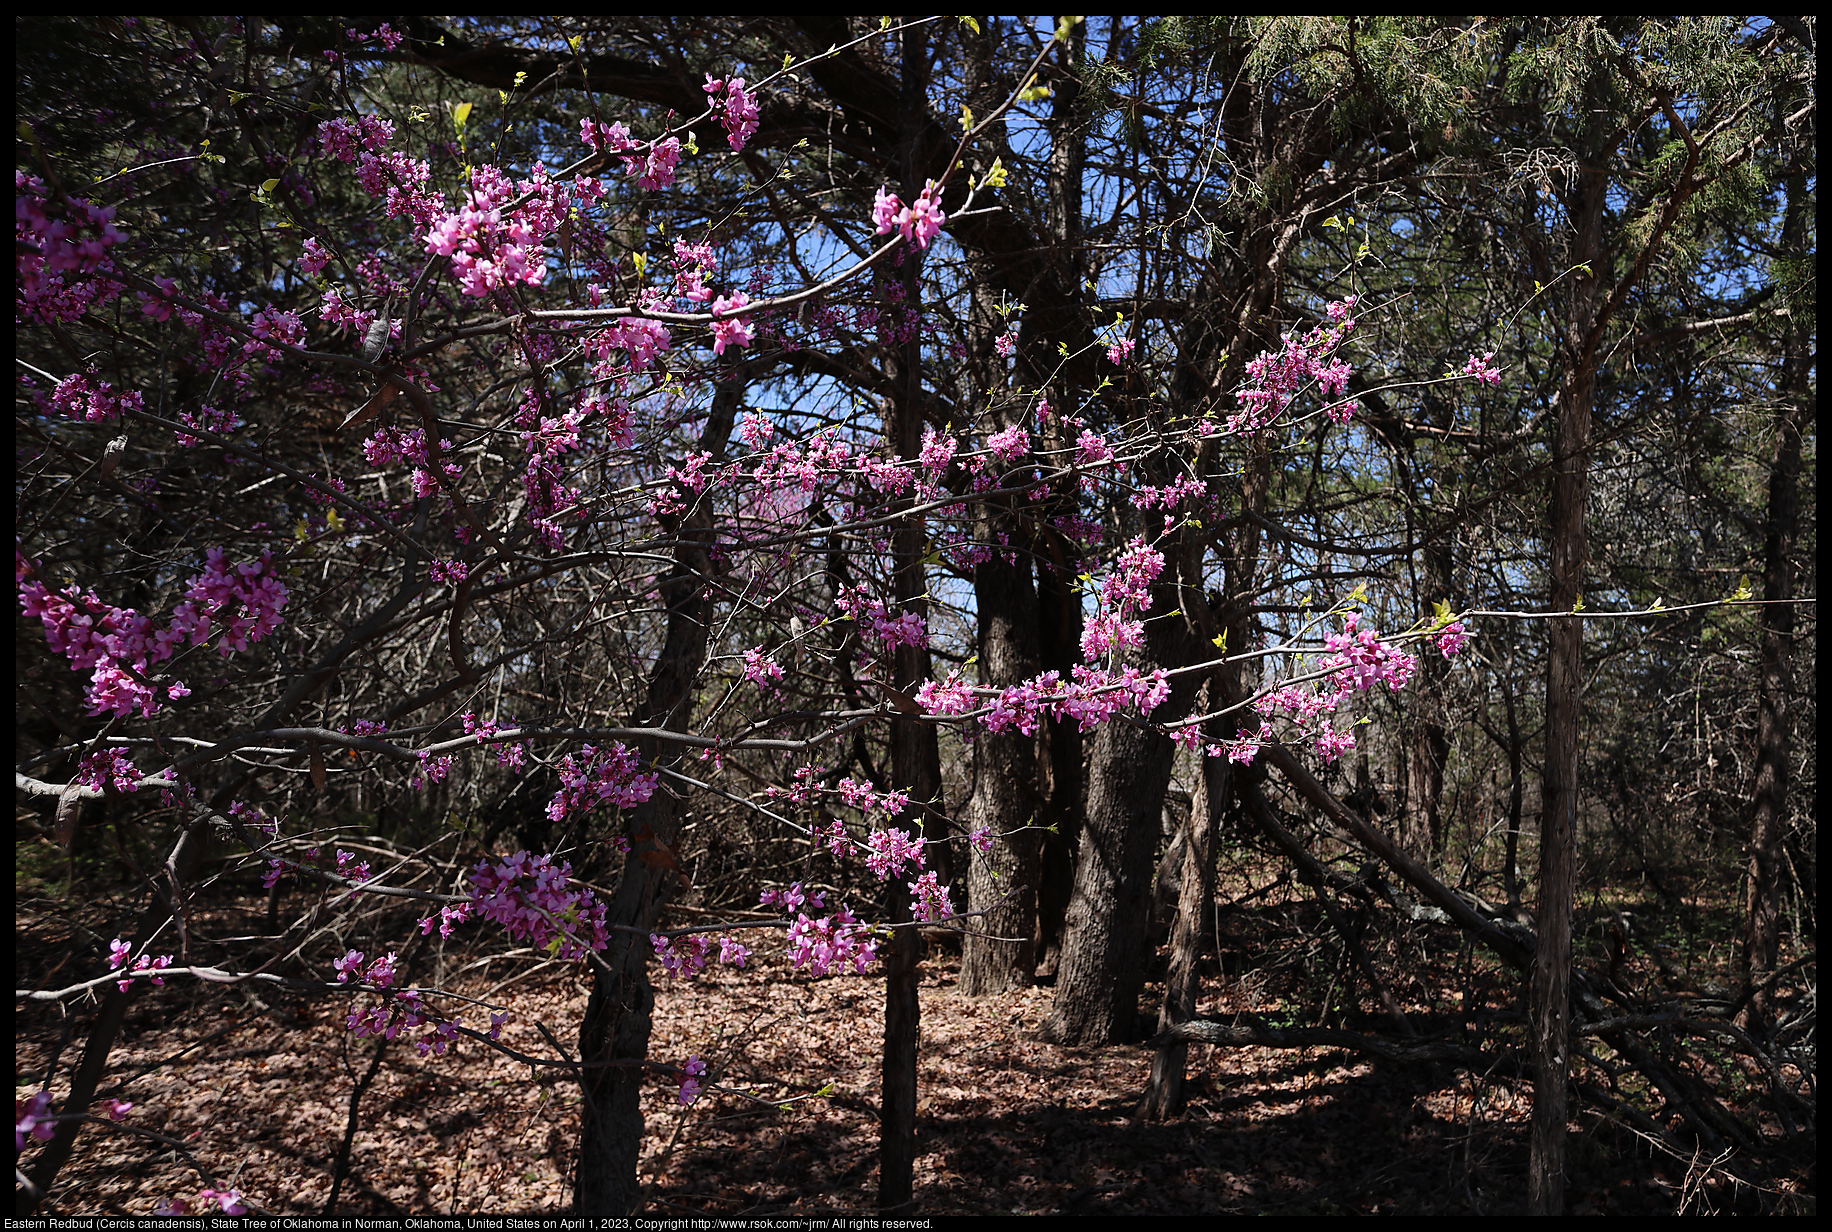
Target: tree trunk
[1000, 950]
[1164, 1093]
[1109, 917]
[614, 1034]
[1768, 814]
[1551, 982]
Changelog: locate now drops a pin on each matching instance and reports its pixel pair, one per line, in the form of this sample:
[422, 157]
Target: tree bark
[1109, 917]
[614, 1034]
[1000, 950]
[1550, 995]
[1164, 1091]
[1768, 813]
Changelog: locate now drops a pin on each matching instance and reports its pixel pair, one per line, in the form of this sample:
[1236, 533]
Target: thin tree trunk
[1164, 1091]
[915, 755]
[1551, 983]
[614, 1034]
[1768, 814]
[1000, 950]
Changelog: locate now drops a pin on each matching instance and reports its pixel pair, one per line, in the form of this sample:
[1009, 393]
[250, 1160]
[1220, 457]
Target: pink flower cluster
[908, 629]
[1361, 658]
[690, 959]
[1090, 699]
[1483, 369]
[118, 645]
[1092, 449]
[825, 943]
[530, 897]
[110, 767]
[80, 396]
[691, 1074]
[341, 138]
[737, 110]
[401, 183]
[402, 1010]
[229, 1201]
[929, 899]
[1358, 659]
[488, 251]
[205, 418]
[641, 339]
[1451, 637]
[762, 671]
[948, 697]
[33, 1119]
[1276, 377]
[600, 776]
[891, 851]
[728, 330]
[653, 169]
[1009, 445]
[60, 265]
[119, 952]
[1126, 590]
[448, 919]
[919, 222]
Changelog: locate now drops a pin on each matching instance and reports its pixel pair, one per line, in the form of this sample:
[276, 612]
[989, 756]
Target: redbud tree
[560, 467]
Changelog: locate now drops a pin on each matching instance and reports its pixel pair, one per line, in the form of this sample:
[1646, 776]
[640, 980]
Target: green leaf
[461, 115]
[1743, 591]
[1221, 643]
[970, 23]
[520, 77]
[268, 186]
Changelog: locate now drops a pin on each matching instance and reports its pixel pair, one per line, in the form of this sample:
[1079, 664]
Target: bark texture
[614, 1034]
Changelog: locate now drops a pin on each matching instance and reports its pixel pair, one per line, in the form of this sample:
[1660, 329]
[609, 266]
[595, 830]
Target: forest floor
[1007, 1124]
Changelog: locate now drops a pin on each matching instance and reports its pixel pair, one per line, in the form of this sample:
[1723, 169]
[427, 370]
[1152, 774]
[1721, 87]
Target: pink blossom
[738, 110]
[33, 1119]
[929, 899]
[691, 1073]
[891, 850]
[1332, 744]
[950, 697]
[1091, 449]
[1483, 369]
[1451, 639]
[658, 166]
[762, 671]
[735, 332]
[1009, 445]
[884, 210]
[919, 222]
